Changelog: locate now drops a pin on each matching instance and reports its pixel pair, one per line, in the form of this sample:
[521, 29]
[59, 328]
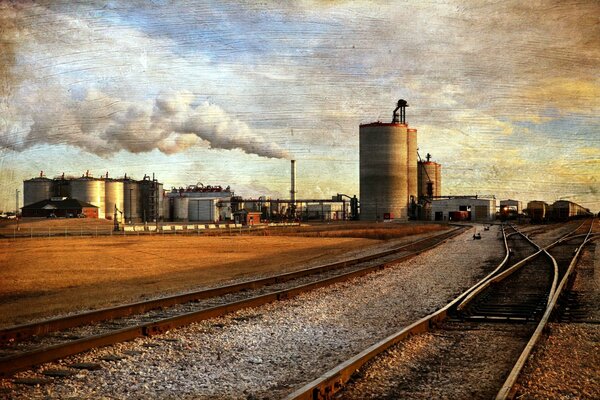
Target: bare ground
[53, 276]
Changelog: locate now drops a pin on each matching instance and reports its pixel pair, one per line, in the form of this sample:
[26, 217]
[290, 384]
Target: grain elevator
[388, 168]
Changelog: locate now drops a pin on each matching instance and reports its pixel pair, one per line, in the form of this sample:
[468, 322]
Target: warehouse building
[199, 203]
[463, 208]
[60, 207]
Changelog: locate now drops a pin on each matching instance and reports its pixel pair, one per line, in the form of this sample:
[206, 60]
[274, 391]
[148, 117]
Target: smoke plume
[102, 125]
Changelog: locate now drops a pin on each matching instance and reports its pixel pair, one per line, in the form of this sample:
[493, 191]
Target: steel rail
[504, 274]
[24, 331]
[14, 363]
[508, 389]
[333, 380]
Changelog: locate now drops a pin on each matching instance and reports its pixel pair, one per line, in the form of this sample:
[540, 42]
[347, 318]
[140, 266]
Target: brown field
[51, 276]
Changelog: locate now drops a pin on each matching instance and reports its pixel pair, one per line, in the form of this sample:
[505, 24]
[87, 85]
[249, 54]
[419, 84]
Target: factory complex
[395, 185]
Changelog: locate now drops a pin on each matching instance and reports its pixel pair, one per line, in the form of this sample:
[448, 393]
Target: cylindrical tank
[413, 192]
[131, 200]
[89, 190]
[37, 189]
[62, 187]
[383, 171]
[160, 209]
[166, 214]
[181, 208]
[114, 191]
[429, 171]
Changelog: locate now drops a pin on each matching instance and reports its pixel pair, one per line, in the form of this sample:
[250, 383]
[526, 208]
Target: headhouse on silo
[388, 168]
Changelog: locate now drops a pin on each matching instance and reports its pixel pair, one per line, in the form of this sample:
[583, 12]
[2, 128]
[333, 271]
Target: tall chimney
[293, 189]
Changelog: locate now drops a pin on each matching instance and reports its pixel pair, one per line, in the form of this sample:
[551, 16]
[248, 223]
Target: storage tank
[89, 190]
[386, 179]
[413, 190]
[166, 207]
[37, 189]
[429, 171]
[161, 199]
[181, 208]
[132, 200]
[114, 192]
[62, 186]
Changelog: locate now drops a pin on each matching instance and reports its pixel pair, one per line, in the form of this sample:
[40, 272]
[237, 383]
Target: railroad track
[24, 346]
[484, 310]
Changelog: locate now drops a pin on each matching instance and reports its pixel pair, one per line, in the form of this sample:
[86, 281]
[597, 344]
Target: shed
[247, 218]
[60, 207]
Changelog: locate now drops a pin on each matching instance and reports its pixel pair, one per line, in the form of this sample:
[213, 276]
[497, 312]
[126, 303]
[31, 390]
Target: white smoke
[102, 125]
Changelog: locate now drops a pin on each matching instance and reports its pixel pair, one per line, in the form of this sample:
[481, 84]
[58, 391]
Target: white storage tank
[113, 191]
[180, 208]
[37, 189]
[89, 190]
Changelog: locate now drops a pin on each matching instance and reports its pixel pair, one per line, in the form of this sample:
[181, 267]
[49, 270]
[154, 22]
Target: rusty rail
[508, 390]
[333, 380]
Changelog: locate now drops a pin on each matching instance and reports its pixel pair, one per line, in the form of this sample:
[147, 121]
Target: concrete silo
[388, 164]
[430, 178]
[37, 189]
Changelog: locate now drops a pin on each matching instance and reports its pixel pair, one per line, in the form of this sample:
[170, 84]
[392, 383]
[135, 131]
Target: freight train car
[538, 211]
[563, 210]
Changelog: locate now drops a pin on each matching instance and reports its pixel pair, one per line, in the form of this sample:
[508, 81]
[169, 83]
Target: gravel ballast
[267, 352]
[565, 363]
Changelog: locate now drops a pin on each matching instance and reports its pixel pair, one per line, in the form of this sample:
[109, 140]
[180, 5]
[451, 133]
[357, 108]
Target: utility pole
[17, 201]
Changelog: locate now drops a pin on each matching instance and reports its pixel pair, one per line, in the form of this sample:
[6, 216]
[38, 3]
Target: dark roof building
[59, 207]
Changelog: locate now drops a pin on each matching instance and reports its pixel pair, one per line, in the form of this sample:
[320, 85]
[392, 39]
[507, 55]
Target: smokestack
[293, 184]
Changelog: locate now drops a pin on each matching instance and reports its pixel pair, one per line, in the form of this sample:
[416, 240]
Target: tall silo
[37, 189]
[411, 137]
[90, 190]
[430, 173]
[386, 179]
[181, 208]
[132, 200]
[114, 191]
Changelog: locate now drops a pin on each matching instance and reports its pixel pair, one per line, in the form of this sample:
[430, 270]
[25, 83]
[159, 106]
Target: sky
[505, 95]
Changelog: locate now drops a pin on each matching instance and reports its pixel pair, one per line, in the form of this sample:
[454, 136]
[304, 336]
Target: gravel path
[458, 362]
[268, 351]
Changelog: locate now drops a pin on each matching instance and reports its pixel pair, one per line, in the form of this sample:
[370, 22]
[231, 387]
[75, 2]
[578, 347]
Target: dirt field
[51, 276]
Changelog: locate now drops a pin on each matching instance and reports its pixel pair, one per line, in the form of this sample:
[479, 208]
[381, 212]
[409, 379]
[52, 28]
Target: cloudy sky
[506, 95]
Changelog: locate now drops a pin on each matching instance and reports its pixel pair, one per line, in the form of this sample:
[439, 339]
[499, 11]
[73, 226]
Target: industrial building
[60, 207]
[463, 208]
[135, 201]
[199, 203]
[510, 209]
[388, 168]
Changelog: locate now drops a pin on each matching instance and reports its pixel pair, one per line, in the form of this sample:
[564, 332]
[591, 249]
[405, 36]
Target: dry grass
[42, 277]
